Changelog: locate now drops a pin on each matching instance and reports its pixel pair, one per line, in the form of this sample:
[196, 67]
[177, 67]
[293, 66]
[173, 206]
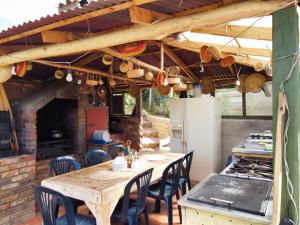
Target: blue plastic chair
[184, 179]
[166, 188]
[128, 210]
[62, 165]
[48, 200]
[96, 156]
[114, 150]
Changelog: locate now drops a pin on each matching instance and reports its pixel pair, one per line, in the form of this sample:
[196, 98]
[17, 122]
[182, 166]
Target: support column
[286, 42]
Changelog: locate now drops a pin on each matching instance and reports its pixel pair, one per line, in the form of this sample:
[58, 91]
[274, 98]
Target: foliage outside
[155, 104]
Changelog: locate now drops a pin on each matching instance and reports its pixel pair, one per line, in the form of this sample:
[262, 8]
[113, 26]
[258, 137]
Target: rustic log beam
[90, 70]
[225, 49]
[160, 29]
[180, 63]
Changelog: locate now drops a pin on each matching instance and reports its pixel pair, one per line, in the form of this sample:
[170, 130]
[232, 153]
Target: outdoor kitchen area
[147, 112]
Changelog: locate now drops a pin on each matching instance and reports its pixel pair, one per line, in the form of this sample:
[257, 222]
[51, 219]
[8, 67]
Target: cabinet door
[97, 119]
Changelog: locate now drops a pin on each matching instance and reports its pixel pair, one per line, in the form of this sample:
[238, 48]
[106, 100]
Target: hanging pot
[59, 74]
[149, 75]
[124, 67]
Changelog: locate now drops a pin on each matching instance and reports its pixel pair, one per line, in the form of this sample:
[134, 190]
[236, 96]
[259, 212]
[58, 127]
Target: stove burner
[253, 168]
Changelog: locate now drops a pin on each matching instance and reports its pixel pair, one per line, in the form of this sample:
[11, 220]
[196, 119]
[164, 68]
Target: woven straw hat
[107, 59]
[216, 52]
[259, 67]
[205, 54]
[207, 86]
[241, 88]
[227, 61]
[59, 74]
[255, 83]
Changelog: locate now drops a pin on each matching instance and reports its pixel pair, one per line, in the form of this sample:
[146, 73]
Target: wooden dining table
[101, 188]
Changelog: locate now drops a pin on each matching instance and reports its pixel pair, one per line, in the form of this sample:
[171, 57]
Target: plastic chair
[114, 150]
[96, 156]
[48, 200]
[185, 180]
[166, 188]
[128, 210]
[62, 165]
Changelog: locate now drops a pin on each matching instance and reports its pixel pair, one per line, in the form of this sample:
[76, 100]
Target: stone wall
[17, 174]
[161, 125]
[234, 131]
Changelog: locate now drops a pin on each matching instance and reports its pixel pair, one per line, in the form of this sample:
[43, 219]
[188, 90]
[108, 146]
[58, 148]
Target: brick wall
[16, 196]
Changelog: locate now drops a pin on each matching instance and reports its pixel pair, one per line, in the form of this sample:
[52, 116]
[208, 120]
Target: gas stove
[265, 137]
[250, 168]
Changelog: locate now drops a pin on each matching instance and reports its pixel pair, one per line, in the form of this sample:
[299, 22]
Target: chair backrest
[96, 156]
[171, 176]
[114, 150]
[141, 182]
[62, 165]
[187, 161]
[48, 201]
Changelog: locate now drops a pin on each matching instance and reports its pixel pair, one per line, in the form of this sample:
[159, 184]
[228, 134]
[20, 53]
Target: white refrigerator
[196, 126]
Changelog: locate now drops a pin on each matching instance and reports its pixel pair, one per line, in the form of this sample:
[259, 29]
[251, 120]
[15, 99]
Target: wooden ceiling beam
[257, 33]
[145, 16]
[225, 49]
[160, 29]
[76, 19]
[90, 70]
[172, 55]
[243, 60]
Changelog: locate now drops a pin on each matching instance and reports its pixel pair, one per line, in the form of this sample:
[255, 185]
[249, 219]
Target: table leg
[102, 213]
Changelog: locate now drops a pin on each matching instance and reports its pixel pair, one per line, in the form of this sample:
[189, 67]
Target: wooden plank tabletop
[99, 186]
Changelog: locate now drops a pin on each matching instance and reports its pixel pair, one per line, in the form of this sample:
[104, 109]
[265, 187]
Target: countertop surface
[267, 219]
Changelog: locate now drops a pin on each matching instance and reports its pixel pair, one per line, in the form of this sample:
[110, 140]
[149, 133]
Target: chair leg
[179, 207]
[183, 188]
[170, 209]
[157, 206]
[146, 216]
[189, 184]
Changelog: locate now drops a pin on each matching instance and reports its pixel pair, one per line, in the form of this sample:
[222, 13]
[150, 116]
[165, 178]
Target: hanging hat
[133, 49]
[160, 79]
[180, 87]
[107, 59]
[227, 61]
[255, 83]
[134, 89]
[241, 88]
[21, 69]
[59, 74]
[135, 73]
[205, 54]
[5, 73]
[207, 86]
[164, 90]
[215, 52]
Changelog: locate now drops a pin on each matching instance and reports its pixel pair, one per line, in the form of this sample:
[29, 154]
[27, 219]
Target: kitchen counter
[197, 213]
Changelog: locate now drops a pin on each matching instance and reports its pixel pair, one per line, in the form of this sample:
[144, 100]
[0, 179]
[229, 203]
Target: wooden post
[286, 42]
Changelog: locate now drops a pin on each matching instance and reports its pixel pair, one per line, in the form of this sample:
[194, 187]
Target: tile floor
[154, 218]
